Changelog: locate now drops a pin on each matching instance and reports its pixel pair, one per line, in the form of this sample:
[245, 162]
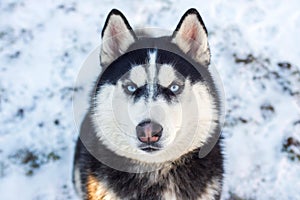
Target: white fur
[152, 70]
[152, 66]
[213, 188]
[138, 75]
[77, 180]
[170, 193]
[166, 75]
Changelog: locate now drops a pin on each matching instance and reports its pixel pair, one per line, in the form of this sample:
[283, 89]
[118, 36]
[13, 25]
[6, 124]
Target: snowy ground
[255, 47]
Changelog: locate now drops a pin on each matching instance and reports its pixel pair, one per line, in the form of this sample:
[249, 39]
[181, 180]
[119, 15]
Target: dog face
[151, 104]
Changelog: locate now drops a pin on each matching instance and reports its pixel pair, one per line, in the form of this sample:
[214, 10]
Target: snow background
[255, 48]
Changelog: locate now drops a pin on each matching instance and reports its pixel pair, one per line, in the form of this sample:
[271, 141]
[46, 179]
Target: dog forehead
[155, 73]
[146, 72]
[166, 75]
[152, 71]
[138, 75]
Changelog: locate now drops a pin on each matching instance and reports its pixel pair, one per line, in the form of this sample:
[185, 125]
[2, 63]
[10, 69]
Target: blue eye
[131, 88]
[174, 88]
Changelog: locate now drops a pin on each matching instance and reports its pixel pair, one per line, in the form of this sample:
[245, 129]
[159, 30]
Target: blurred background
[254, 46]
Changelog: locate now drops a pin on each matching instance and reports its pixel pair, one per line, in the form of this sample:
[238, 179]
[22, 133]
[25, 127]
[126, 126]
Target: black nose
[149, 132]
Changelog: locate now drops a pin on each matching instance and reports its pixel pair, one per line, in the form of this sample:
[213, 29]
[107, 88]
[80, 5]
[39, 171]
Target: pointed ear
[117, 36]
[190, 36]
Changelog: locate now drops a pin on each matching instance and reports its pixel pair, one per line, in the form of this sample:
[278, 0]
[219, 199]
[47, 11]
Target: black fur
[141, 92]
[164, 92]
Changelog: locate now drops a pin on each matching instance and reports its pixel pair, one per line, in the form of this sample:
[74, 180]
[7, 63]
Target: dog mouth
[150, 148]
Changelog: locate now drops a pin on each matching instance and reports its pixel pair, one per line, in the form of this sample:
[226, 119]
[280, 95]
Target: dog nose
[149, 131]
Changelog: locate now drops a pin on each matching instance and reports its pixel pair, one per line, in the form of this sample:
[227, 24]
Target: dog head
[151, 103]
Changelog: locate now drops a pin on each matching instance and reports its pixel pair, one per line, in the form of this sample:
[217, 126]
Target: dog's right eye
[130, 88]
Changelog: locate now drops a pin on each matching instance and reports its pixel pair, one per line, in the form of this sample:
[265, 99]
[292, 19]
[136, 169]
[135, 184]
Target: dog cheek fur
[104, 120]
[197, 120]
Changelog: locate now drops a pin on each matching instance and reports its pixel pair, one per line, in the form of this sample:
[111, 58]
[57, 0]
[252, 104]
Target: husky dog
[154, 106]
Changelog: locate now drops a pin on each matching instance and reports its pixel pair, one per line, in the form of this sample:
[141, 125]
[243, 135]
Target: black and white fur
[165, 80]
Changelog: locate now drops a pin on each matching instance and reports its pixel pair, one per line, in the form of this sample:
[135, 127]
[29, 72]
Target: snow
[255, 48]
